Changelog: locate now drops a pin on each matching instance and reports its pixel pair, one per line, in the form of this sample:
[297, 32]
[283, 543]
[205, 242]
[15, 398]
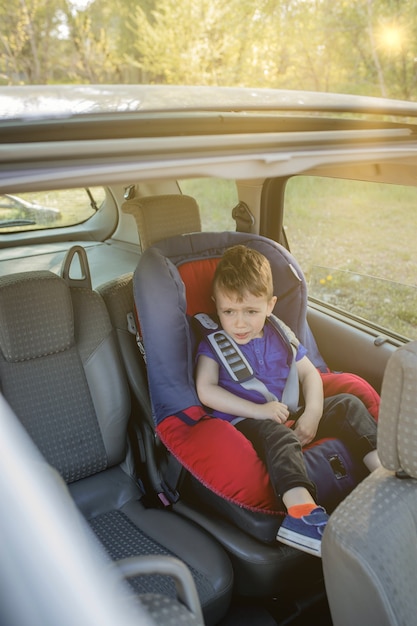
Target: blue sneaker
[304, 533]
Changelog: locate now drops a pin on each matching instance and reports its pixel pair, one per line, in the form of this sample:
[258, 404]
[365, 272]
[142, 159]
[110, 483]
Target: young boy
[243, 293]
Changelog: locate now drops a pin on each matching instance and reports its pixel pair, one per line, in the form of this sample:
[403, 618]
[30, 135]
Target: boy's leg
[280, 450]
[347, 418]
[278, 447]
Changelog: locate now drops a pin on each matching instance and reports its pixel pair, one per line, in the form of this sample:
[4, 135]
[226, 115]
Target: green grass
[362, 235]
[390, 305]
[216, 199]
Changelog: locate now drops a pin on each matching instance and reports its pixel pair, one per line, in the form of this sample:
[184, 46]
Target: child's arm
[219, 399]
[312, 387]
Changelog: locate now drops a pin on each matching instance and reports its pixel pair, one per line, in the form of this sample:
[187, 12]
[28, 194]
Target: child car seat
[171, 284]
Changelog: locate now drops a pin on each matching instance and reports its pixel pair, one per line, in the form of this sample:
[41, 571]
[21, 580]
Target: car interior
[94, 330]
[261, 571]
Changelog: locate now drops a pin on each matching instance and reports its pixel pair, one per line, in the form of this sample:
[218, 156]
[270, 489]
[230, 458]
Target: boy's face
[243, 320]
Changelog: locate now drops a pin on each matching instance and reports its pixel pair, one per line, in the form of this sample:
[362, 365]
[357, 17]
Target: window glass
[356, 244]
[216, 199]
[48, 209]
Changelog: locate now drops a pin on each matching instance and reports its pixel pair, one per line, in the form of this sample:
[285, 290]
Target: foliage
[351, 46]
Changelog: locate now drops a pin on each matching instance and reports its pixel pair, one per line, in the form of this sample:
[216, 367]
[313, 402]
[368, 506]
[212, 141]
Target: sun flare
[391, 38]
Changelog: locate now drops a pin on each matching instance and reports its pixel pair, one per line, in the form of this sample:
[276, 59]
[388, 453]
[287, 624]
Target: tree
[27, 31]
[376, 48]
[351, 46]
[209, 42]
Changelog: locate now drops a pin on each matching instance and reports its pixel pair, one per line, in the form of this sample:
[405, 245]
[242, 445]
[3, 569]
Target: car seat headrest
[159, 217]
[397, 432]
[36, 315]
[197, 277]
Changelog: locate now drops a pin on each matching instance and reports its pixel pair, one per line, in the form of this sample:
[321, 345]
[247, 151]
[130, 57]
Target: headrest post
[85, 277]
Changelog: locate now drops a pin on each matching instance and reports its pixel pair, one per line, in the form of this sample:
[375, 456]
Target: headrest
[197, 277]
[159, 217]
[397, 426]
[36, 315]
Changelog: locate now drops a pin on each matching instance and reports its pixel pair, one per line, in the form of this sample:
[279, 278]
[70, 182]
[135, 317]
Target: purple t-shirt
[268, 358]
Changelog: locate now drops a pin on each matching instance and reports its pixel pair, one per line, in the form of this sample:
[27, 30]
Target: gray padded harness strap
[290, 395]
[236, 364]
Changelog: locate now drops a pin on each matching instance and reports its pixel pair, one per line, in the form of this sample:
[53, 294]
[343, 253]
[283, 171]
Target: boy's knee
[348, 401]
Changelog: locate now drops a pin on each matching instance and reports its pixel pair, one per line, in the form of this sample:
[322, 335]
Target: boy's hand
[306, 428]
[273, 410]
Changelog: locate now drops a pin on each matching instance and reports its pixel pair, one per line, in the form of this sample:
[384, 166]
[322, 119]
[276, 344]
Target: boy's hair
[243, 270]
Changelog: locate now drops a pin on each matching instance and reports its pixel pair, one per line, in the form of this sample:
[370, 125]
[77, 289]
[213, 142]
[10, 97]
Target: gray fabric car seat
[370, 544]
[61, 372]
[156, 217]
[33, 553]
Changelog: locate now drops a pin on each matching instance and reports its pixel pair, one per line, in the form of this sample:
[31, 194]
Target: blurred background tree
[350, 46]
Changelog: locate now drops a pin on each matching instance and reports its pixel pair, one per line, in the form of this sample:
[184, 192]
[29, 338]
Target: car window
[48, 209]
[216, 199]
[356, 244]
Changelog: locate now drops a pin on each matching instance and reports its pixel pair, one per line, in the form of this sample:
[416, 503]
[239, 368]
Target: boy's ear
[271, 305]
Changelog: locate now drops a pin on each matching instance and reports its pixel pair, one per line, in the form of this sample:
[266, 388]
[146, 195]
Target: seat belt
[240, 370]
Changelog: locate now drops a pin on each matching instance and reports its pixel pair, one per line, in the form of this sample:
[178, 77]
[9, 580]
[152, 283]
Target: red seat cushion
[218, 455]
[344, 382]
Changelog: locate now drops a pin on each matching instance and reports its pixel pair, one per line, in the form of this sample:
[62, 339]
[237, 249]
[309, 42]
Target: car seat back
[58, 346]
[369, 547]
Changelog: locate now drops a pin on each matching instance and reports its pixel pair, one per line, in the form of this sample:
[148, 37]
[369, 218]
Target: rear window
[216, 199]
[48, 209]
[356, 244]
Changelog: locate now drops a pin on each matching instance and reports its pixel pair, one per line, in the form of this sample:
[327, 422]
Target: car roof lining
[34, 166]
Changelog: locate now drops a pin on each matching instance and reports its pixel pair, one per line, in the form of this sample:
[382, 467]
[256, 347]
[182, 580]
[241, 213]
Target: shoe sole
[290, 538]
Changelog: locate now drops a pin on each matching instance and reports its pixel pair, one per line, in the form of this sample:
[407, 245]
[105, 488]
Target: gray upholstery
[52, 572]
[31, 327]
[118, 296]
[61, 372]
[397, 432]
[51, 371]
[163, 611]
[370, 544]
[158, 217]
